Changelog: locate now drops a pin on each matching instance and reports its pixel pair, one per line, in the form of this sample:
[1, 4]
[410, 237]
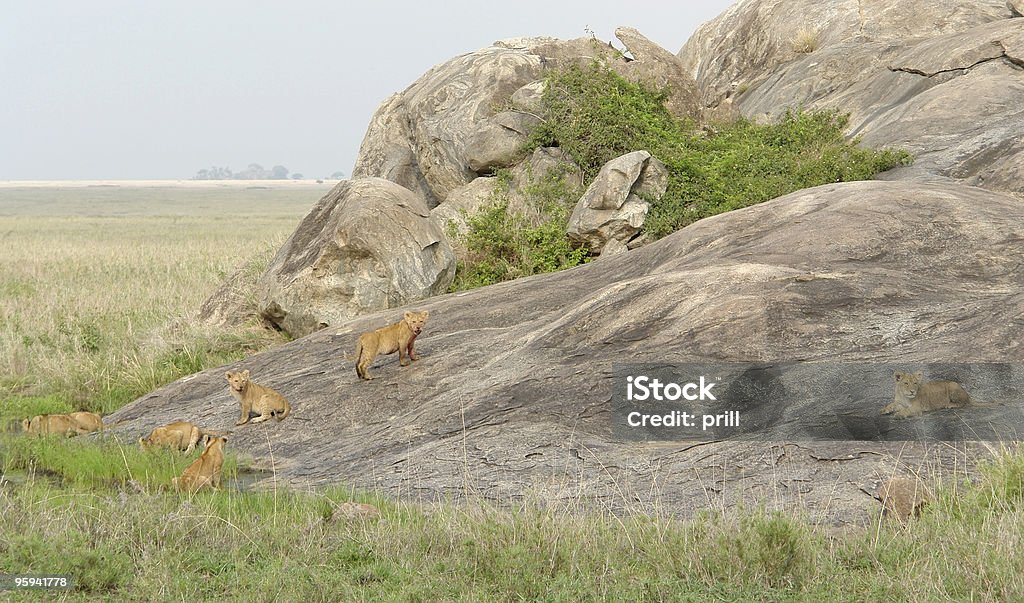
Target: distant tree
[214, 173]
[298, 176]
[339, 175]
[278, 172]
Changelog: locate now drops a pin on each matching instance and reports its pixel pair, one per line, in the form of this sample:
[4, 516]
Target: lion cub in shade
[398, 337]
[205, 470]
[256, 398]
[180, 435]
[914, 397]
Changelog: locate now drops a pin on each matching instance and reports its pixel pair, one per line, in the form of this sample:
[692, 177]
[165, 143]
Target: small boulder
[367, 245]
[461, 204]
[612, 207]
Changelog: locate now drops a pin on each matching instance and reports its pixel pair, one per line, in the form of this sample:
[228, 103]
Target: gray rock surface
[611, 207]
[463, 203]
[511, 396]
[744, 44]
[498, 141]
[367, 245]
[655, 66]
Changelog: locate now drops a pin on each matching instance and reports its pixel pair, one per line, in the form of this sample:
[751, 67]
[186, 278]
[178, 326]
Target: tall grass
[97, 310]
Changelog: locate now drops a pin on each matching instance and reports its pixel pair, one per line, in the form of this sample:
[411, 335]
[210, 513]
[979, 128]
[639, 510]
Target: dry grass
[805, 41]
[98, 285]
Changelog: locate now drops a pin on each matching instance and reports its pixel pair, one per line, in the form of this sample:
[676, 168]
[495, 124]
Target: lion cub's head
[907, 384]
[214, 443]
[237, 379]
[416, 320]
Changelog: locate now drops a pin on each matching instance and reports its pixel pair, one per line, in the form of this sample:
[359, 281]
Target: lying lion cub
[912, 397]
[46, 424]
[86, 422]
[180, 435]
[205, 470]
[398, 337]
[256, 398]
[70, 424]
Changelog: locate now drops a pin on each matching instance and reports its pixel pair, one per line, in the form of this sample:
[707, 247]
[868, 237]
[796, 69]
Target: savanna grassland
[99, 289]
[100, 284]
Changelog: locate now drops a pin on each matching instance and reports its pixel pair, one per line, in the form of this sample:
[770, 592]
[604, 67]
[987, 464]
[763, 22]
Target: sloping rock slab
[510, 397]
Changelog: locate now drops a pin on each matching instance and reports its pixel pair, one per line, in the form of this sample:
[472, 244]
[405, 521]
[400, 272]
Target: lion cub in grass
[914, 397]
[256, 398]
[205, 470]
[70, 424]
[180, 435]
[398, 337]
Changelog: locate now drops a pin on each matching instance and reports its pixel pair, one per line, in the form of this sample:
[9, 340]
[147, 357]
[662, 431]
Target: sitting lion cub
[180, 435]
[398, 337]
[913, 397]
[256, 398]
[205, 470]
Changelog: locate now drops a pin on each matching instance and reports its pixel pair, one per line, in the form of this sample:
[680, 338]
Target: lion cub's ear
[897, 375]
[407, 315]
[245, 374]
[228, 375]
[919, 375]
[426, 313]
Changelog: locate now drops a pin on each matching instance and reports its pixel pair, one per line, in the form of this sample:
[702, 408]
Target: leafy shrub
[595, 115]
[503, 243]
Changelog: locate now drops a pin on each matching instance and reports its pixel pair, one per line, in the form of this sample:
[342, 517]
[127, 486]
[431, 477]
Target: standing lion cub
[205, 470]
[398, 337]
[256, 398]
[914, 397]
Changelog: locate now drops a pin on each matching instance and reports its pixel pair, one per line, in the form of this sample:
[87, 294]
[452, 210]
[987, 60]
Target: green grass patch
[127, 544]
[15, 408]
[98, 461]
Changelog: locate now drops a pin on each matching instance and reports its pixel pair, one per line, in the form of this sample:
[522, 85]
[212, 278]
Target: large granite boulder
[451, 125]
[511, 394]
[943, 80]
[367, 245]
[743, 45]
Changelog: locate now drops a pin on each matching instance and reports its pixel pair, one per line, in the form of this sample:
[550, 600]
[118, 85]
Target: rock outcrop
[511, 395]
[366, 245]
[944, 80]
[444, 130]
[744, 45]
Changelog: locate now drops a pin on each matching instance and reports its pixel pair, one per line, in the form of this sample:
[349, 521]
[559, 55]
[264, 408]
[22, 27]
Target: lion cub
[256, 398]
[86, 422]
[398, 337]
[205, 470]
[914, 397]
[180, 435]
[46, 424]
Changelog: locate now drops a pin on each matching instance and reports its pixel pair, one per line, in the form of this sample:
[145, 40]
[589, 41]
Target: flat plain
[101, 280]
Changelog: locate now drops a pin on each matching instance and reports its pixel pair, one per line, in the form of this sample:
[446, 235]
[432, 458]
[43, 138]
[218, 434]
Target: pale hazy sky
[107, 89]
